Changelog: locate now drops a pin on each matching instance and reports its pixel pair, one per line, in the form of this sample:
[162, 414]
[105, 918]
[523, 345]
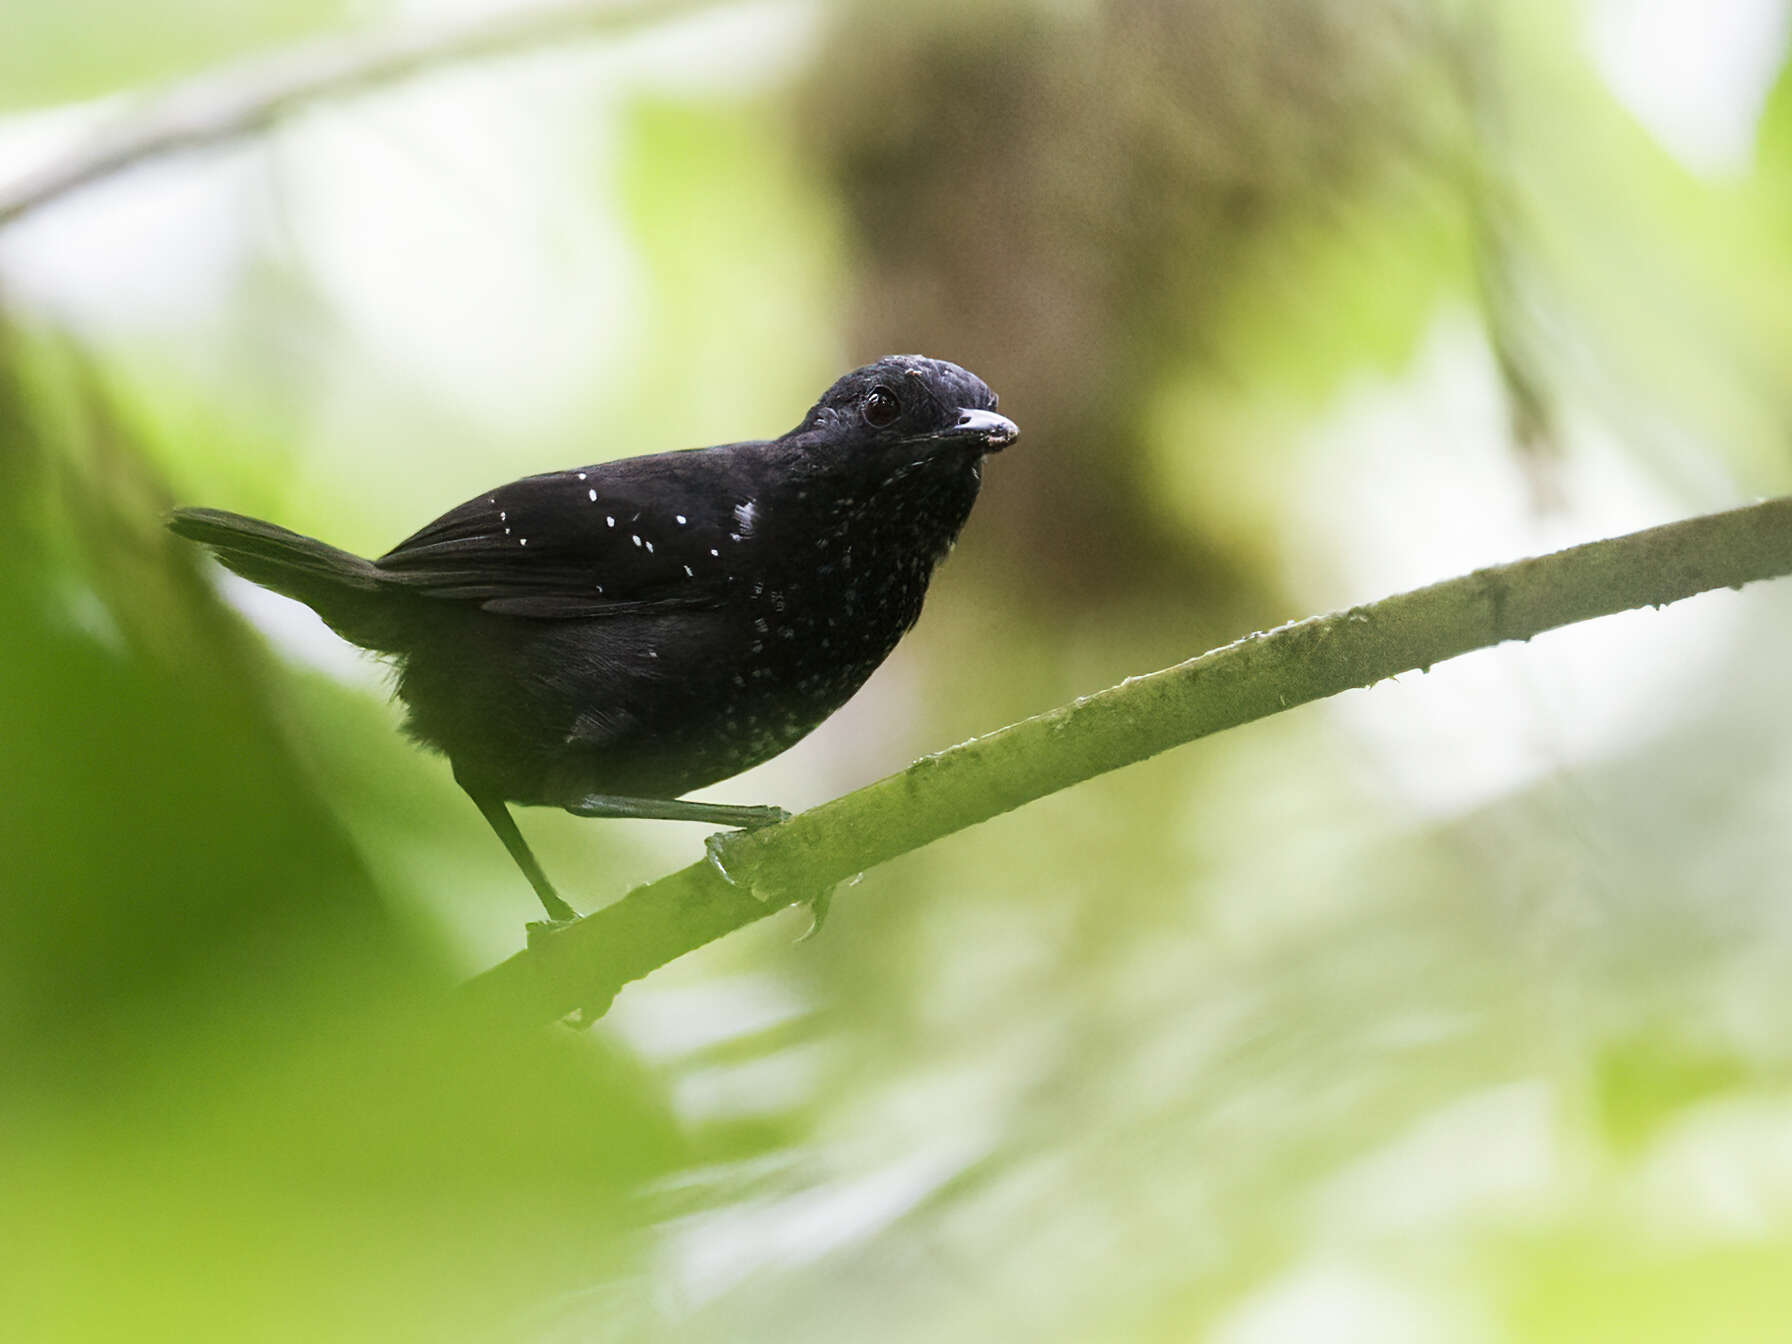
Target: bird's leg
[677, 809]
[498, 816]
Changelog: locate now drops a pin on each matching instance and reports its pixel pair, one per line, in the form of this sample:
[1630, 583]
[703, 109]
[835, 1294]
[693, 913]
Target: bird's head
[910, 402]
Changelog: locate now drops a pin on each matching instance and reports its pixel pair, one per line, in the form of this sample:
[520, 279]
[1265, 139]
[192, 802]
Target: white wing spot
[744, 514]
[649, 546]
[687, 572]
[636, 537]
[608, 519]
[522, 541]
[503, 517]
[581, 475]
[713, 551]
[682, 520]
[593, 495]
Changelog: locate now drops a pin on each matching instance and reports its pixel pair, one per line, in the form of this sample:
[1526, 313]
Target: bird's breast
[821, 585]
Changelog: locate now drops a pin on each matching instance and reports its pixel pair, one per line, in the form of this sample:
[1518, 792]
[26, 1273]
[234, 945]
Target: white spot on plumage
[636, 537]
[522, 541]
[687, 572]
[581, 475]
[593, 495]
[744, 515]
[682, 520]
[713, 551]
[649, 546]
[610, 520]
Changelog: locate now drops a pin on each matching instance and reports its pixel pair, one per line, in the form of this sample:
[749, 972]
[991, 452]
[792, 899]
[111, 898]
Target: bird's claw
[818, 904]
[716, 846]
[715, 849]
[585, 1016]
[537, 930]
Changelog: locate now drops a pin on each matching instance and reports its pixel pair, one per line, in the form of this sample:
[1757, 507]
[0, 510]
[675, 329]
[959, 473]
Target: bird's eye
[881, 407]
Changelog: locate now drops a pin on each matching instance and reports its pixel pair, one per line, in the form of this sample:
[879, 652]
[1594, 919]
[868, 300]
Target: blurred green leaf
[63, 52]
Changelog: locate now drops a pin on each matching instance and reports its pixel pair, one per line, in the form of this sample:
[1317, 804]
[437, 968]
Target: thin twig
[248, 95]
[1263, 674]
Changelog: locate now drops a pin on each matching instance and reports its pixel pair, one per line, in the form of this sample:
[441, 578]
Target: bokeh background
[1459, 1009]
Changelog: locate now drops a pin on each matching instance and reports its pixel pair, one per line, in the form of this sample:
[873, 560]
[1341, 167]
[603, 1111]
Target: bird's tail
[342, 588]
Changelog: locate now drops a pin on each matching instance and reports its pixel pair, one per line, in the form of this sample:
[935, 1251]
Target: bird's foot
[715, 849]
[819, 904]
[744, 819]
[818, 900]
[585, 1016]
[537, 930]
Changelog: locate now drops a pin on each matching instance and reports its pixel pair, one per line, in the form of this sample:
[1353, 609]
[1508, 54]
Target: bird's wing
[645, 533]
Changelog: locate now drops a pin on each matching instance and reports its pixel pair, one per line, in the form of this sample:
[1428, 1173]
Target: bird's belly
[735, 713]
[653, 705]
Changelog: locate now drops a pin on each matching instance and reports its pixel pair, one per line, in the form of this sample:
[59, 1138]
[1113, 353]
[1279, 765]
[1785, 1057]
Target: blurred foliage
[1081, 191]
[1450, 1010]
[226, 1077]
[86, 48]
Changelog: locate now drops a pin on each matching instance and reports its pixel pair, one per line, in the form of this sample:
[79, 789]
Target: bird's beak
[995, 431]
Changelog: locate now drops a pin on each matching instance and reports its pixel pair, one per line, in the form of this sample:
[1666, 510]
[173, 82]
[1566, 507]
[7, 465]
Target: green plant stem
[250, 95]
[585, 963]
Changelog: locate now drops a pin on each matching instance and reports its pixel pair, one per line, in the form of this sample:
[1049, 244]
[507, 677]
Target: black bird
[607, 638]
